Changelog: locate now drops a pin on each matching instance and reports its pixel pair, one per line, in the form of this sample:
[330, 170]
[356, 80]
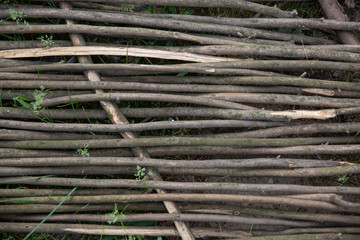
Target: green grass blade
[65, 198]
[16, 180]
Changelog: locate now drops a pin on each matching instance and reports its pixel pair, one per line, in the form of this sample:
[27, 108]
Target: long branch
[265, 23]
[245, 5]
[252, 115]
[111, 81]
[175, 141]
[207, 68]
[192, 150]
[185, 198]
[193, 186]
[162, 34]
[145, 97]
[276, 98]
[346, 127]
[110, 170]
[150, 162]
[111, 230]
[109, 51]
[78, 127]
[162, 217]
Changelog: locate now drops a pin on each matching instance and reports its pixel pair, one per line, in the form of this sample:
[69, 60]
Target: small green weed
[141, 173]
[39, 98]
[343, 178]
[34, 105]
[128, 7]
[84, 152]
[18, 16]
[115, 215]
[47, 40]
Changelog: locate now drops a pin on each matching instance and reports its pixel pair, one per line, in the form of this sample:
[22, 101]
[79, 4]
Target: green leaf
[23, 103]
[65, 198]
[181, 74]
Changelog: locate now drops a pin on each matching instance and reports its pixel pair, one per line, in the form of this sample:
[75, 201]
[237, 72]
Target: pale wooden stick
[109, 51]
[118, 118]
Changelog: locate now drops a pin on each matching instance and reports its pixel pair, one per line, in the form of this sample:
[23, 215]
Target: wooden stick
[191, 186]
[263, 23]
[273, 98]
[162, 34]
[346, 127]
[174, 141]
[187, 198]
[14, 135]
[323, 236]
[150, 162]
[63, 192]
[60, 127]
[203, 150]
[276, 213]
[333, 198]
[295, 150]
[321, 230]
[245, 5]
[111, 82]
[112, 230]
[110, 170]
[162, 217]
[210, 68]
[182, 112]
[109, 51]
[332, 11]
[146, 97]
[148, 87]
[134, 69]
[46, 208]
[118, 118]
[168, 23]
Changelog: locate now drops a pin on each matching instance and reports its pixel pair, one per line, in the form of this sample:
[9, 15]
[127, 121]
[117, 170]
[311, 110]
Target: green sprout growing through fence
[46, 40]
[141, 173]
[84, 152]
[18, 16]
[34, 105]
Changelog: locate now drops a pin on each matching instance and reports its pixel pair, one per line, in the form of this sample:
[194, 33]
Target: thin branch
[346, 127]
[109, 51]
[193, 186]
[192, 150]
[114, 230]
[78, 127]
[276, 98]
[162, 217]
[162, 34]
[187, 198]
[145, 97]
[63, 192]
[175, 141]
[263, 23]
[332, 11]
[207, 68]
[15, 135]
[150, 162]
[244, 5]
